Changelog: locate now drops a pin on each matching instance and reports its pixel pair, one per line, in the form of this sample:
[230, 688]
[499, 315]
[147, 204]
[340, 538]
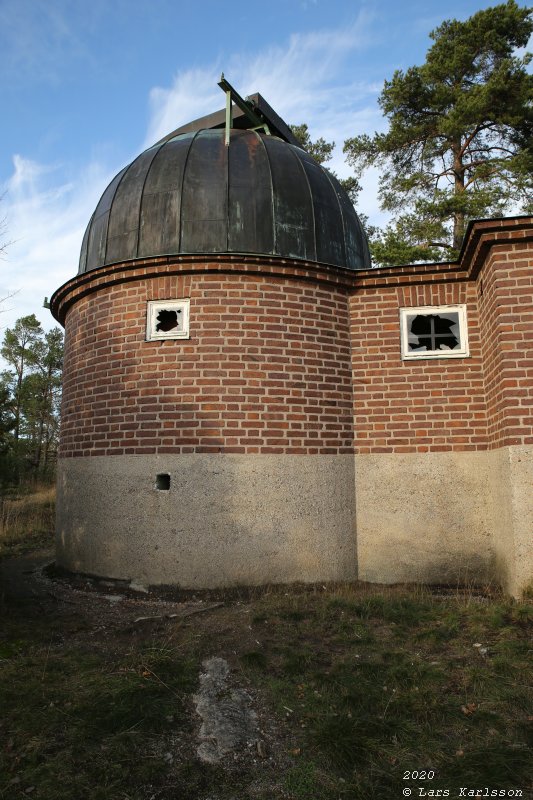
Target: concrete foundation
[446, 517]
[226, 520]
[511, 493]
[235, 520]
[424, 517]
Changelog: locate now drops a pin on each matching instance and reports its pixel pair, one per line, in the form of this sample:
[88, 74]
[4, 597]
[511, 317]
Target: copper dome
[192, 194]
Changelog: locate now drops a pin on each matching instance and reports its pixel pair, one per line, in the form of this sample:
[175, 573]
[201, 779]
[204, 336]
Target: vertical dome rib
[271, 195]
[329, 224]
[250, 217]
[297, 153]
[293, 211]
[161, 200]
[185, 163]
[339, 216]
[123, 228]
[357, 251]
[97, 240]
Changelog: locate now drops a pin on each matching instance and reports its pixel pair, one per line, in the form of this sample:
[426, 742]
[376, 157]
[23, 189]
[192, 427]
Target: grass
[384, 684]
[88, 726]
[27, 520]
[360, 685]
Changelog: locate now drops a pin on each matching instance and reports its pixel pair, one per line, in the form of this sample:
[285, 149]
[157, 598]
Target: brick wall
[505, 287]
[266, 369]
[276, 346]
[413, 406]
[483, 401]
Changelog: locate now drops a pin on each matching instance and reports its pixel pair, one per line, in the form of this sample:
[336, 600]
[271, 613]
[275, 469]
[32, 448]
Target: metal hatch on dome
[240, 118]
[232, 96]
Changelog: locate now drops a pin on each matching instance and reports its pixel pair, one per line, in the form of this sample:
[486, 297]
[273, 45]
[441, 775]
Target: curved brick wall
[266, 369]
[298, 443]
[252, 419]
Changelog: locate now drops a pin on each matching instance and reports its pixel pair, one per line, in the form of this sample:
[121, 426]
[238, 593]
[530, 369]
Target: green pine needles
[459, 143]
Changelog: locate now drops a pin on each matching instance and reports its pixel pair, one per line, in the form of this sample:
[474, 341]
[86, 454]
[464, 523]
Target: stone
[229, 723]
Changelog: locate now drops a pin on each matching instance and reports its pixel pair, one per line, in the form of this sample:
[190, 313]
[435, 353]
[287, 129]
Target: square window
[433, 332]
[167, 319]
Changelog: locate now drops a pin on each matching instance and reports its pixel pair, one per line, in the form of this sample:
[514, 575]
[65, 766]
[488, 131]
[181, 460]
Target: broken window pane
[433, 332]
[167, 319]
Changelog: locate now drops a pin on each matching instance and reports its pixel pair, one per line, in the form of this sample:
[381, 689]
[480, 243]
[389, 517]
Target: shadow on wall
[424, 517]
[225, 520]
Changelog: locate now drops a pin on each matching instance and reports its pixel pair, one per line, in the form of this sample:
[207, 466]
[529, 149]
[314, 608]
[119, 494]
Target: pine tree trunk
[459, 189]
[458, 230]
[18, 400]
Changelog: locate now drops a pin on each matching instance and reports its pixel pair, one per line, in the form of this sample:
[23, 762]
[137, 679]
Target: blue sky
[86, 85]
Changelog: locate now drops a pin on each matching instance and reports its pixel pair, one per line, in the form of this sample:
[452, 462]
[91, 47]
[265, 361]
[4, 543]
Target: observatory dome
[192, 194]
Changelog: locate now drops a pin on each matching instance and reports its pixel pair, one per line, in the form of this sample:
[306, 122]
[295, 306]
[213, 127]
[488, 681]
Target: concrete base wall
[424, 517]
[446, 517]
[233, 520]
[511, 494]
[226, 520]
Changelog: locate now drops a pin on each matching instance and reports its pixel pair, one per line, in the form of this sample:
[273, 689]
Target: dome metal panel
[97, 238]
[204, 206]
[125, 214]
[250, 203]
[162, 198]
[329, 231]
[293, 207]
[192, 194]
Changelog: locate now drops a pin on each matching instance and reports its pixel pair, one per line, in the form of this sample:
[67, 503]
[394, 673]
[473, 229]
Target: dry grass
[361, 685]
[27, 520]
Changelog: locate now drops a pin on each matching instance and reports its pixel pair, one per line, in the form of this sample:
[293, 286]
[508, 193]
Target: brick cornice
[138, 269]
[480, 237]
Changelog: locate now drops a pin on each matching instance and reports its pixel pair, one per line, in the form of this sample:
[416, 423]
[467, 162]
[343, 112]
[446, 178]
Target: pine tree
[31, 392]
[459, 143]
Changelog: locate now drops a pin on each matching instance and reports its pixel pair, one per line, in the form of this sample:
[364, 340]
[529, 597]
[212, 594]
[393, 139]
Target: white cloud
[306, 79]
[46, 215]
[303, 79]
[37, 41]
[193, 94]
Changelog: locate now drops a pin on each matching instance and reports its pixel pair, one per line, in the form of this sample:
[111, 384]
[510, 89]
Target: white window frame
[153, 307]
[416, 355]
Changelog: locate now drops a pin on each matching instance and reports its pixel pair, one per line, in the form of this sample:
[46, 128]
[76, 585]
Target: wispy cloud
[302, 78]
[37, 41]
[46, 215]
[306, 79]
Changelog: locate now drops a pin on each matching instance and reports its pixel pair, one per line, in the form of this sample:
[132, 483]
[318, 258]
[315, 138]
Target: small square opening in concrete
[162, 482]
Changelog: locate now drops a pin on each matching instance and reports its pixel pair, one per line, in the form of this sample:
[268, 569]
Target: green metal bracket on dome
[232, 96]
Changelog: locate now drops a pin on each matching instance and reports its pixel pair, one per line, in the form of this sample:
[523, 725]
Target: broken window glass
[167, 319]
[433, 332]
